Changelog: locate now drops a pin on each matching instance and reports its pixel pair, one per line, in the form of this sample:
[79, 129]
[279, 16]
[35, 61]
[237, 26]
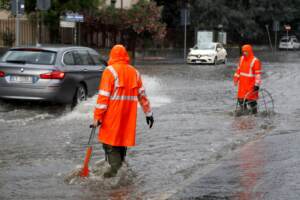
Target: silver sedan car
[50, 73]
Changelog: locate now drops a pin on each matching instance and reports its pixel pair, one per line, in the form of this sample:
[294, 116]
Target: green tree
[142, 21]
[4, 4]
[170, 12]
[244, 19]
[58, 9]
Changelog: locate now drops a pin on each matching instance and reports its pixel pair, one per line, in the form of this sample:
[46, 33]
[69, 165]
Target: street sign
[204, 37]
[20, 8]
[74, 17]
[65, 24]
[185, 17]
[43, 4]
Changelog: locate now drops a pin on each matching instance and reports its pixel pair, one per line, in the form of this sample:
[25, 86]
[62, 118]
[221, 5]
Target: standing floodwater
[194, 127]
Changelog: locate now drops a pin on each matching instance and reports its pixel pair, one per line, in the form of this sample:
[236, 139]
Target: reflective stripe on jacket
[248, 74]
[120, 89]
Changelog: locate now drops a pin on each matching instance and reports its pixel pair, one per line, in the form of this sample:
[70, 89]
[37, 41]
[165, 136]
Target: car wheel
[225, 60]
[80, 95]
[215, 61]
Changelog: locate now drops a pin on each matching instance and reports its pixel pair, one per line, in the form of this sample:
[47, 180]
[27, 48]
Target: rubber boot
[253, 106]
[243, 110]
[115, 162]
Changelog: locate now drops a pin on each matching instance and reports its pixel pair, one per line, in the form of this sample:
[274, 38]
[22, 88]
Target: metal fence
[7, 32]
[30, 33]
[97, 36]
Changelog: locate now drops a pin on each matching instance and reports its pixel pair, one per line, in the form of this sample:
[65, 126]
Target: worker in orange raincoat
[248, 79]
[120, 90]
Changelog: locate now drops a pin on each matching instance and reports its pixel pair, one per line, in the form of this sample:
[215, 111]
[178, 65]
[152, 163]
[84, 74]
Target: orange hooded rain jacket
[120, 89]
[248, 74]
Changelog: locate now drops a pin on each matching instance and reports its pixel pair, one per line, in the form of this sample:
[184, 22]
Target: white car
[207, 53]
[289, 42]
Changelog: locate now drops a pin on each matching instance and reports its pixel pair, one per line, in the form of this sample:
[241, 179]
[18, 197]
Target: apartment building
[126, 4]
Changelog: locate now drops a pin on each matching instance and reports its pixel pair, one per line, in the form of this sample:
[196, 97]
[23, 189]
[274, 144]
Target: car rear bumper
[51, 94]
[288, 46]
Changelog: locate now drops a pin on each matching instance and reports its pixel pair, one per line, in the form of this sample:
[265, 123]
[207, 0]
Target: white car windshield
[284, 40]
[205, 46]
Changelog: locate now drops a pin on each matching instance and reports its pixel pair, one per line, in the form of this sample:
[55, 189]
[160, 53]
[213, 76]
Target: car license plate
[21, 79]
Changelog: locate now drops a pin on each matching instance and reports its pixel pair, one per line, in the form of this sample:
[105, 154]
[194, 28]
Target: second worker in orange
[120, 90]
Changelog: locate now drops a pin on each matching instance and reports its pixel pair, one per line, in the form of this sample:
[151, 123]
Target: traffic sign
[43, 4]
[65, 24]
[74, 17]
[20, 9]
[287, 27]
[185, 17]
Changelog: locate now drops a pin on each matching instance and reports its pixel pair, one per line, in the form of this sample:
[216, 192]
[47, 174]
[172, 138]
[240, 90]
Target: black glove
[95, 124]
[256, 88]
[150, 121]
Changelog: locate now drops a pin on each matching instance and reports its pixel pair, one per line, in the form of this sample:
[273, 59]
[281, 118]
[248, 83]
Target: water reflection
[119, 192]
[244, 123]
[251, 159]
[250, 163]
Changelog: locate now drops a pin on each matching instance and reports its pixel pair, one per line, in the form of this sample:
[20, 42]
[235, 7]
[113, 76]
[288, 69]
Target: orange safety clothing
[120, 89]
[248, 74]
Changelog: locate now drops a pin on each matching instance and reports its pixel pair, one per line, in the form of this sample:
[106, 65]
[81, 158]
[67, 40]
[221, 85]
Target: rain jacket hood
[118, 55]
[120, 90]
[120, 60]
[248, 48]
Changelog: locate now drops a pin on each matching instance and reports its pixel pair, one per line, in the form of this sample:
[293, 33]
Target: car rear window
[41, 57]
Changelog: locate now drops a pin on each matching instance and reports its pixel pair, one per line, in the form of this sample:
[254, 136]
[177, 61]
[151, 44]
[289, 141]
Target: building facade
[126, 4]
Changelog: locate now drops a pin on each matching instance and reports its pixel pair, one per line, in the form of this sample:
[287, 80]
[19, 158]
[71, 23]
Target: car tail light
[2, 74]
[53, 75]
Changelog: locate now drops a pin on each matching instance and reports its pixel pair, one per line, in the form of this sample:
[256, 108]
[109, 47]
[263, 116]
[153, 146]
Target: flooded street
[194, 130]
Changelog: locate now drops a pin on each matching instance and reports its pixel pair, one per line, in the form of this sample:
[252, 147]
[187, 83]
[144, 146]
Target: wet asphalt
[196, 150]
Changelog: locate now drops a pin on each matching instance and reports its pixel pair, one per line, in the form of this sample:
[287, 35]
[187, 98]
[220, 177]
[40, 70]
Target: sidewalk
[265, 169]
[157, 60]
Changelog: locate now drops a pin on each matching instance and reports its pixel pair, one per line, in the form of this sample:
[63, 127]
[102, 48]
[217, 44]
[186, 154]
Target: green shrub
[8, 38]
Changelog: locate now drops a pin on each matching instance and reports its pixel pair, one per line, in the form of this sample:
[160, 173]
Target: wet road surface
[194, 129]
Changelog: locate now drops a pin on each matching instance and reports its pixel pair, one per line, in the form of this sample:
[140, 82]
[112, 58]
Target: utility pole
[275, 29]
[41, 5]
[17, 24]
[17, 8]
[268, 32]
[185, 22]
[113, 3]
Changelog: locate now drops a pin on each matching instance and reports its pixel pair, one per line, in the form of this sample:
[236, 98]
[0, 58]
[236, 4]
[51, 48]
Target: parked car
[210, 53]
[62, 74]
[289, 42]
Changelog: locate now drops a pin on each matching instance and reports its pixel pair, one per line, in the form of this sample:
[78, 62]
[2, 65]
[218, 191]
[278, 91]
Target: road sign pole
[268, 32]
[185, 22]
[287, 37]
[17, 23]
[41, 5]
[275, 43]
[75, 34]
